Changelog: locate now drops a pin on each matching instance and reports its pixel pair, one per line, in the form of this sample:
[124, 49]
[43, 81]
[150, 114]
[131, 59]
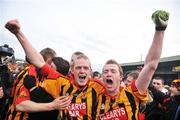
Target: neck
[115, 92]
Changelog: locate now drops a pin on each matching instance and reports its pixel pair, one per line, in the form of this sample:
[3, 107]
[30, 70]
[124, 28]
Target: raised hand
[13, 26]
[160, 18]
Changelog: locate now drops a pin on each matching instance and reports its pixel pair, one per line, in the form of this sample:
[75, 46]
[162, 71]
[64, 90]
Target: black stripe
[14, 114]
[20, 77]
[103, 102]
[65, 114]
[22, 115]
[84, 90]
[111, 104]
[121, 105]
[9, 111]
[74, 118]
[17, 81]
[73, 100]
[39, 75]
[94, 105]
[85, 117]
[61, 93]
[70, 89]
[132, 103]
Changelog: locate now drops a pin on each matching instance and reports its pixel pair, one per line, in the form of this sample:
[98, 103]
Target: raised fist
[29, 82]
[160, 18]
[13, 26]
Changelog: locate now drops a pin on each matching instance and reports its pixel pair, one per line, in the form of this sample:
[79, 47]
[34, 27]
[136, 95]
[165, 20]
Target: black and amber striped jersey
[123, 106]
[84, 100]
[12, 114]
[19, 93]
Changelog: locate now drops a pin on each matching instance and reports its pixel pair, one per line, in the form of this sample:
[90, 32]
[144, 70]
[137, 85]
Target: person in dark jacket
[168, 104]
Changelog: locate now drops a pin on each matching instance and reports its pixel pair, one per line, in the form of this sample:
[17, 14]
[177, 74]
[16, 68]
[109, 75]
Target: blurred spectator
[158, 83]
[169, 103]
[154, 109]
[61, 65]
[175, 92]
[132, 75]
[96, 75]
[6, 76]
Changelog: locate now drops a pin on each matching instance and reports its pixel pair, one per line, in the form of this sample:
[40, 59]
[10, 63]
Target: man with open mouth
[122, 103]
[82, 91]
[117, 102]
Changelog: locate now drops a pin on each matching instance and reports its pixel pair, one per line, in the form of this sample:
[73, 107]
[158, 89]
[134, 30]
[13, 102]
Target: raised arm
[32, 54]
[160, 19]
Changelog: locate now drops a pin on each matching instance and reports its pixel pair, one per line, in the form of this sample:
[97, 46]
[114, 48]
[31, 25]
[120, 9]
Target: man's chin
[109, 88]
[83, 84]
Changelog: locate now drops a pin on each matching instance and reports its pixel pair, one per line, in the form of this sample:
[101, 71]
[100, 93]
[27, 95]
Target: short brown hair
[62, 65]
[111, 61]
[134, 74]
[159, 78]
[47, 53]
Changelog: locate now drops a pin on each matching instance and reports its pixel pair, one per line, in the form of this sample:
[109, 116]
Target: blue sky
[102, 29]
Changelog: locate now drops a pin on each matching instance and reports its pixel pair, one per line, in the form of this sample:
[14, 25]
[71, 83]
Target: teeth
[82, 77]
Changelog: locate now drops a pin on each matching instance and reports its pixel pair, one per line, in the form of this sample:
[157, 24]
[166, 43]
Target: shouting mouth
[109, 81]
[82, 77]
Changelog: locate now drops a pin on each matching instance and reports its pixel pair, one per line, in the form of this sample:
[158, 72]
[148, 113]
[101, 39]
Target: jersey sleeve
[49, 72]
[142, 97]
[53, 87]
[23, 95]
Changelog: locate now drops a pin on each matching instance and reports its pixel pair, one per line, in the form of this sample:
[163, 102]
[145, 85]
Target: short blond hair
[82, 56]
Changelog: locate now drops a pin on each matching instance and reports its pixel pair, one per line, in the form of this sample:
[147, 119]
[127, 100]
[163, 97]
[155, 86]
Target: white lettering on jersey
[116, 114]
[77, 109]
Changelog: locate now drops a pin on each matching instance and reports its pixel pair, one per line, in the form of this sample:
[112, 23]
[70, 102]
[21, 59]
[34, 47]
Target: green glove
[160, 18]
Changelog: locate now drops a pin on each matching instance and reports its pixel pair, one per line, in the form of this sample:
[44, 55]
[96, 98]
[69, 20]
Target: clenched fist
[160, 18]
[13, 26]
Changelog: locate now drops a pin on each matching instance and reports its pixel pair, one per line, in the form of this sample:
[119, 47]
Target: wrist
[158, 28]
[51, 106]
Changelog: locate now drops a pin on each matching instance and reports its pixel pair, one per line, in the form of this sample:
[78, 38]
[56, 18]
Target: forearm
[30, 106]
[151, 62]
[155, 50]
[32, 54]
